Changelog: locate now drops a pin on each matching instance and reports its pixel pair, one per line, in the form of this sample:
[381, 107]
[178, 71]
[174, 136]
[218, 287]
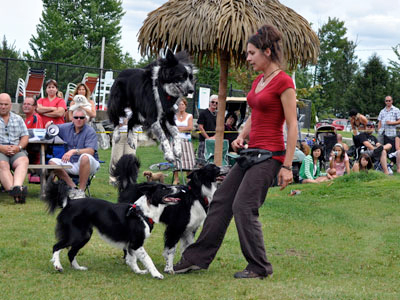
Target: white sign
[204, 97]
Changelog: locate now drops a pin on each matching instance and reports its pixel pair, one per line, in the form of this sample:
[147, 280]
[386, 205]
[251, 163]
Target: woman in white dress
[184, 122]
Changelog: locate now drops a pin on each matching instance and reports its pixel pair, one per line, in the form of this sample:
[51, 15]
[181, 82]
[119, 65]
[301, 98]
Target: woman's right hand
[238, 143]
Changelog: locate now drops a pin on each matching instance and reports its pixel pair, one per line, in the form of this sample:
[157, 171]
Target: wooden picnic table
[42, 166]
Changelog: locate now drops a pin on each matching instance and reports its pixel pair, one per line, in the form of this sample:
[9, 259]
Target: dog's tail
[117, 102]
[126, 171]
[56, 194]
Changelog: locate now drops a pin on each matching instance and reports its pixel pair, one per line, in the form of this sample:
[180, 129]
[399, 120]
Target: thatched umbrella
[220, 29]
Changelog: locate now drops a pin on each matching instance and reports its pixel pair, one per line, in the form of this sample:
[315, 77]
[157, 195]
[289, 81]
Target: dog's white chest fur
[197, 216]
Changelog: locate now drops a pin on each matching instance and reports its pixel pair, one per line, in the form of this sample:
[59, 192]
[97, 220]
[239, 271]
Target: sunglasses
[214, 102]
[388, 100]
[80, 118]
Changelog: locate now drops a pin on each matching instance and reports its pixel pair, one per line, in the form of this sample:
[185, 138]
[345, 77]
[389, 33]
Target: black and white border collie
[123, 225]
[151, 93]
[183, 219]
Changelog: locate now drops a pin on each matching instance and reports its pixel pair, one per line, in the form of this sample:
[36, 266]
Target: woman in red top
[51, 108]
[273, 100]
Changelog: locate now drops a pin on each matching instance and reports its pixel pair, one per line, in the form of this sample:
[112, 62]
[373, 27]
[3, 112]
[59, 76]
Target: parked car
[341, 124]
[322, 123]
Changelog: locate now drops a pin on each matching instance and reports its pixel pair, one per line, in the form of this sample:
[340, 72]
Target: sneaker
[377, 152]
[76, 194]
[184, 266]
[246, 274]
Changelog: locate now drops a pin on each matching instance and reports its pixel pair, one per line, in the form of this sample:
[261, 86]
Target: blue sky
[372, 24]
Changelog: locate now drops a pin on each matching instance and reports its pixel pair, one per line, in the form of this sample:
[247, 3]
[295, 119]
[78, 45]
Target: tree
[370, 87]
[394, 75]
[336, 65]
[15, 69]
[71, 31]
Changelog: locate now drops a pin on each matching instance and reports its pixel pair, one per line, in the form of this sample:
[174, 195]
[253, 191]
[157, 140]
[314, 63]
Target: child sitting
[338, 162]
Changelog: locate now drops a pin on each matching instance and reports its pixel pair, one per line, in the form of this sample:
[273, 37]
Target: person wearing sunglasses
[207, 122]
[388, 119]
[80, 153]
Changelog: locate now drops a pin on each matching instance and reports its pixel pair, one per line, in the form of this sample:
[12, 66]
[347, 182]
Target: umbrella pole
[223, 85]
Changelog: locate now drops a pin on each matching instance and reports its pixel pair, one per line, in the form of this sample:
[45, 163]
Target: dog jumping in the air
[181, 220]
[151, 93]
[123, 225]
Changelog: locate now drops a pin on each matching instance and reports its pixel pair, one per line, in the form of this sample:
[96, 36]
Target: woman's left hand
[285, 177]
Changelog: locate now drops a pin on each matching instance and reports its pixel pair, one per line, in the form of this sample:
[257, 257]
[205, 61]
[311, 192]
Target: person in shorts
[14, 138]
[80, 153]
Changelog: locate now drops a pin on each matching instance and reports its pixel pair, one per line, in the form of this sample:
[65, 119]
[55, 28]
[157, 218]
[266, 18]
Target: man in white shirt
[388, 118]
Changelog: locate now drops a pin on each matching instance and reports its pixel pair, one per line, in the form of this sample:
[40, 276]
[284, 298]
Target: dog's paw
[157, 275]
[177, 149]
[132, 137]
[116, 135]
[169, 270]
[58, 267]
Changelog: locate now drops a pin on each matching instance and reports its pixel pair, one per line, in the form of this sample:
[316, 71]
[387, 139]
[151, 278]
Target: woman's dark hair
[316, 147]
[234, 116]
[353, 112]
[266, 37]
[51, 81]
[369, 160]
[87, 90]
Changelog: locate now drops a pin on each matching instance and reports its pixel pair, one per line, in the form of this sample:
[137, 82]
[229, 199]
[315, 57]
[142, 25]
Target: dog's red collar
[149, 221]
[206, 201]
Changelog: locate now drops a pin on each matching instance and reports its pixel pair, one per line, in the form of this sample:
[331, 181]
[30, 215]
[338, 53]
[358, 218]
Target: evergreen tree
[71, 31]
[13, 69]
[371, 87]
[336, 66]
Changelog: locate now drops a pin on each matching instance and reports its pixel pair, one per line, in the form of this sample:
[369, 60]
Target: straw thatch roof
[203, 27]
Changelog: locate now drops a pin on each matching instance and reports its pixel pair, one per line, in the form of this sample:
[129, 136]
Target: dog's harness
[136, 209]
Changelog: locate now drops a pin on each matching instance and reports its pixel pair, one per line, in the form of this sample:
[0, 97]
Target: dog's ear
[171, 59]
[146, 188]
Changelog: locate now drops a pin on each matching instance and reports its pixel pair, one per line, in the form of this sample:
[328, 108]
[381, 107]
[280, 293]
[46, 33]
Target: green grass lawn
[332, 241]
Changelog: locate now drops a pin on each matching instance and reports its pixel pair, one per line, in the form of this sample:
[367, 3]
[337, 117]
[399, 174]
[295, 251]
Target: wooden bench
[44, 169]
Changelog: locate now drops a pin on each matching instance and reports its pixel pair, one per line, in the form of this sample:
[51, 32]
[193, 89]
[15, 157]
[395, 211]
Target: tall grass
[337, 240]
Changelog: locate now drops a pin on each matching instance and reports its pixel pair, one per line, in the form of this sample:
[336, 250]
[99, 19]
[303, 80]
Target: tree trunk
[223, 85]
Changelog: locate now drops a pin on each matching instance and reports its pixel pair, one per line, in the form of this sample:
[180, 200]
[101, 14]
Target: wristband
[20, 148]
[290, 168]
[77, 151]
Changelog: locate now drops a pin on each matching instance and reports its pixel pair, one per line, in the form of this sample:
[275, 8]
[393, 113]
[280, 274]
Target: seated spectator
[81, 153]
[32, 118]
[310, 167]
[32, 121]
[358, 121]
[375, 150]
[82, 89]
[230, 125]
[397, 153]
[51, 108]
[338, 162]
[363, 164]
[339, 138]
[14, 137]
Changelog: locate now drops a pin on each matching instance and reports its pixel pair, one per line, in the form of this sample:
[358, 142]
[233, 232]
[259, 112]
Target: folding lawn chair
[209, 151]
[32, 85]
